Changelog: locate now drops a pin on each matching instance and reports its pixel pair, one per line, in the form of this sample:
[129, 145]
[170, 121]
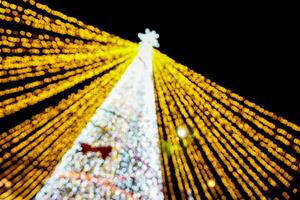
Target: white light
[149, 38]
[181, 132]
[126, 121]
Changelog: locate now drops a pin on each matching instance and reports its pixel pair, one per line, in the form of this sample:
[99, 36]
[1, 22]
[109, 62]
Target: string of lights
[56, 70]
[55, 73]
[225, 146]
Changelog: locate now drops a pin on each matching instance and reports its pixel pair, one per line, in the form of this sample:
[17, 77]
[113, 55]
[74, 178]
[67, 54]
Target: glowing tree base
[126, 121]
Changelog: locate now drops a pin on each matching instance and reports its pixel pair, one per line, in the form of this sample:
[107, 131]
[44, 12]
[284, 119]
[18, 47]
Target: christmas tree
[85, 114]
[126, 122]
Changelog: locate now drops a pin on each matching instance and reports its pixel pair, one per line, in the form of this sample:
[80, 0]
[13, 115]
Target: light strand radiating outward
[216, 144]
[55, 72]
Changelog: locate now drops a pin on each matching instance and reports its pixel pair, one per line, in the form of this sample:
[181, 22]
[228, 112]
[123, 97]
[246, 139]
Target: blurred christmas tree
[84, 115]
[126, 122]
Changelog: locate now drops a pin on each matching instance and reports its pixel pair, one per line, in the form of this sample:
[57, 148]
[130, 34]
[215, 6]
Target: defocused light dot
[8, 184]
[181, 132]
[211, 183]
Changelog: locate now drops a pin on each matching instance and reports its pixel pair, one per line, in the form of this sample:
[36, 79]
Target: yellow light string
[28, 17]
[230, 147]
[237, 146]
[60, 128]
[46, 54]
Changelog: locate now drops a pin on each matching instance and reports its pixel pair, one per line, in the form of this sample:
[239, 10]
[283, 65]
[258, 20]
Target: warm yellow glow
[53, 55]
[249, 151]
[211, 183]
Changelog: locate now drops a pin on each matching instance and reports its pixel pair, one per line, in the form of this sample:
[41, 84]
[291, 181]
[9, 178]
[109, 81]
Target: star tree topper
[149, 38]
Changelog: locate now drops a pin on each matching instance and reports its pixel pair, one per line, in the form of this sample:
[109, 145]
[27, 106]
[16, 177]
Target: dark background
[251, 49]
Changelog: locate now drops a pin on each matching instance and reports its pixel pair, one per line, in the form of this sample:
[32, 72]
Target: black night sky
[250, 49]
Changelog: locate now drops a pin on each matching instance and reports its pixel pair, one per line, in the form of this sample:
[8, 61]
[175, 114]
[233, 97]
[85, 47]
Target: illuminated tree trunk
[125, 129]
